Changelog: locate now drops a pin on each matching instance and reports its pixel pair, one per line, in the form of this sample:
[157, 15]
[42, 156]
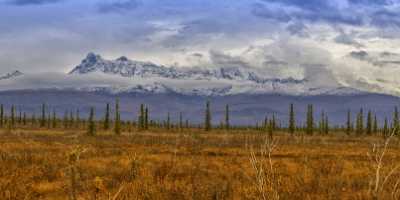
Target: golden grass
[40, 164]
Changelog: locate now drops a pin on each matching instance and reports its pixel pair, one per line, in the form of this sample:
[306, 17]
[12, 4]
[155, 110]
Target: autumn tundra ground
[242, 164]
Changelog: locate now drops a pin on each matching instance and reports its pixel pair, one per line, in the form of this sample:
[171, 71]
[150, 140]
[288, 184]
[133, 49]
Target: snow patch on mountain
[11, 75]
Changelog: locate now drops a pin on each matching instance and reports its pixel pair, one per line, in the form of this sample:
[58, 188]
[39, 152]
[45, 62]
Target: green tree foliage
[369, 123]
[310, 120]
[207, 122]
[180, 121]
[348, 123]
[146, 118]
[106, 124]
[117, 120]
[292, 120]
[92, 125]
[360, 123]
[1, 116]
[12, 117]
[385, 131]
[395, 122]
[54, 119]
[375, 125]
[326, 125]
[43, 117]
[168, 122]
[227, 117]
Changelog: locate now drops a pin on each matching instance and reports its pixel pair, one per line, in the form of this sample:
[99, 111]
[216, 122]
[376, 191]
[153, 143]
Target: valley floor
[43, 164]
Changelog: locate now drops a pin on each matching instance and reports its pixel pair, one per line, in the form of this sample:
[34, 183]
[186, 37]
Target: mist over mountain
[252, 93]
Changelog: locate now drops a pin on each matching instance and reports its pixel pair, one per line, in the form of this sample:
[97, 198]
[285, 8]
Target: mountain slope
[226, 80]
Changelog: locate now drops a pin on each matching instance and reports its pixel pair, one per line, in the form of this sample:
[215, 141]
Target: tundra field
[194, 164]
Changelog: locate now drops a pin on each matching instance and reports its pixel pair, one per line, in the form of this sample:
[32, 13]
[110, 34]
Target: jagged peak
[122, 59]
[12, 74]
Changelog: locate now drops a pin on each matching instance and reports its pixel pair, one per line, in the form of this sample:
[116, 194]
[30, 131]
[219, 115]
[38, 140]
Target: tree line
[362, 124]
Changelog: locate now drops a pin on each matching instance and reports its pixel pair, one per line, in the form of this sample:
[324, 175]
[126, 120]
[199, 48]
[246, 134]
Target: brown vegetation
[192, 164]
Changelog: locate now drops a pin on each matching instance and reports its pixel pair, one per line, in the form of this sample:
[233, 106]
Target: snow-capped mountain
[132, 69]
[11, 75]
[227, 80]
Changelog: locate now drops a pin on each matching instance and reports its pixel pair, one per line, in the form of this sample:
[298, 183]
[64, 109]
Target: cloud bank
[353, 42]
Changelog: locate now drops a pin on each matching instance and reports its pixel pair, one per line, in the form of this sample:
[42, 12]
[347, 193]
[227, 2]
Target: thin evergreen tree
[310, 120]
[227, 117]
[180, 121]
[43, 117]
[24, 119]
[71, 119]
[375, 125]
[1, 116]
[395, 123]
[360, 123]
[168, 125]
[92, 126]
[385, 131]
[106, 124]
[326, 125]
[117, 120]
[369, 123]
[207, 123]
[146, 118]
[54, 120]
[141, 117]
[292, 122]
[12, 117]
[348, 123]
[20, 116]
[77, 118]
[322, 124]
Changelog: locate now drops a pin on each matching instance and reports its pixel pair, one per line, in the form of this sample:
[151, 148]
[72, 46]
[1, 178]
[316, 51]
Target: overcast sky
[355, 40]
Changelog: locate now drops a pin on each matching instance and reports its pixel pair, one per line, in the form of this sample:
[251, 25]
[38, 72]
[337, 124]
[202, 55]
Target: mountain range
[251, 92]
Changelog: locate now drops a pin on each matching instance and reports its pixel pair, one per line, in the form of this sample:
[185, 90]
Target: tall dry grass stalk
[73, 164]
[380, 177]
[266, 179]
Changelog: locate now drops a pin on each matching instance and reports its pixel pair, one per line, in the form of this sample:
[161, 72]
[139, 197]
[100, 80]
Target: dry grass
[41, 164]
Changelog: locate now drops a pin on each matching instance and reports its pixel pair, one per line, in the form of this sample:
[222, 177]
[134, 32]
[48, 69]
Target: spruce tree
[77, 118]
[310, 120]
[322, 123]
[12, 118]
[146, 118]
[396, 121]
[369, 123]
[273, 123]
[187, 124]
[20, 116]
[168, 125]
[1, 116]
[326, 125]
[207, 123]
[292, 122]
[106, 124]
[117, 126]
[360, 123]
[348, 123]
[375, 125]
[43, 118]
[385, 130]
[71, 119]
[24, 119]
[227, 117]
[180, 121]
[54, 120]
[141, 117]
[92, 126]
